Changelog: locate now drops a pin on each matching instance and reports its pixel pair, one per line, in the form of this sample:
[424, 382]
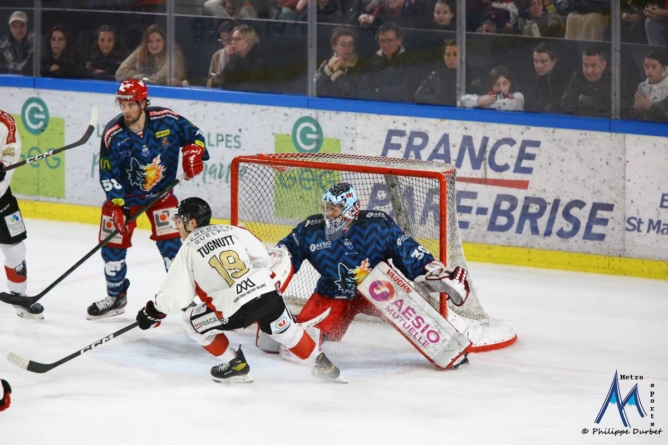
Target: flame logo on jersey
[146, 176]
[349, 278]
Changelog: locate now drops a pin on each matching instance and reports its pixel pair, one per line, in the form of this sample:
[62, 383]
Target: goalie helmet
[195, 208]
[341, 195]
[132, 90]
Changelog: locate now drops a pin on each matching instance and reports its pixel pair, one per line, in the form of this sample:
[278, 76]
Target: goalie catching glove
[440, 279]
[149, 317]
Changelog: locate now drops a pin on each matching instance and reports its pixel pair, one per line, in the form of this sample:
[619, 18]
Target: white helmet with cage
[340, 207]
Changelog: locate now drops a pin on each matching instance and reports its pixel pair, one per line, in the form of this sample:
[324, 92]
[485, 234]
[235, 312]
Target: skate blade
[23, 313]
[236, 379]
[106, 315]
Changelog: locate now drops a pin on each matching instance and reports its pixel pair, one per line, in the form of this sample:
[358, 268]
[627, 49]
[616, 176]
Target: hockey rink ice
[575, 331]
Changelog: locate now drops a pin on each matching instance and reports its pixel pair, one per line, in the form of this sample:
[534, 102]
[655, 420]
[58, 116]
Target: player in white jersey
[12, 229]
[227, 267]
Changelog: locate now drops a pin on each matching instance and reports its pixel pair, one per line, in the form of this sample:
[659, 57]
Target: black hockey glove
[6, 398]
[149, 317]
[3, 172]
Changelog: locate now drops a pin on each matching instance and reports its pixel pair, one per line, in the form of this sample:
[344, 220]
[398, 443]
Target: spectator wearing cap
[16, 48]
[588, 92]
[495, 21]
[651, 98]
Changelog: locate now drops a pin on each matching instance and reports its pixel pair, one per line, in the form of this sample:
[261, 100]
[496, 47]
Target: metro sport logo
[614, 398]
[381, 290]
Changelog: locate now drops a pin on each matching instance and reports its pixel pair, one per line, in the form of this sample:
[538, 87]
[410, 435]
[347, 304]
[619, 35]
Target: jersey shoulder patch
[376, 214]
[314, 220]
[9, 122]
[112, 129]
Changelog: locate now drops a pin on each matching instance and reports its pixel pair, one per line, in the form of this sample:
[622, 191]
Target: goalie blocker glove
[149, 317]
[453, 282]
[6, 399]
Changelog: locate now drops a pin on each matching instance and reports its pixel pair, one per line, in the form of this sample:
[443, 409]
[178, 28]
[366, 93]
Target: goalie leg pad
[403, 307]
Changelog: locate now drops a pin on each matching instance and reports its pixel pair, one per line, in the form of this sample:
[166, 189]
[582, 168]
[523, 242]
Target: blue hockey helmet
[344, 197]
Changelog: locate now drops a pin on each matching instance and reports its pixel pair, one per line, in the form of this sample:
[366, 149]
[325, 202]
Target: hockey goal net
[272, 193]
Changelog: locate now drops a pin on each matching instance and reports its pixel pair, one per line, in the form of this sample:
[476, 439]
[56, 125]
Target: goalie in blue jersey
[344, 244]
[139, 158]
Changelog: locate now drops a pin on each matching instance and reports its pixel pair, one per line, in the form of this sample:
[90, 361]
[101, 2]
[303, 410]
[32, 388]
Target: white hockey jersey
[226, 266]
[10, 147]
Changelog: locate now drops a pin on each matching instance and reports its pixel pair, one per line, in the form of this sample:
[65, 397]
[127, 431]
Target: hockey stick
[41, 368]
[29, 301]
[55, 151]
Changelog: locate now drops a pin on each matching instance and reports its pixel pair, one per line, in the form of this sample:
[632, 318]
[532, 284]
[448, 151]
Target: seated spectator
[17, 46]
[588, 92]
[633, 21]
[440, 88]
[328, 11]
[651, 99]
[656, 25]
[58, 57]
[107, 55]
[270, 9]
[536, 22]
[404, 13]
[151, 61]
[550, 81]
[502, 94]
[388, 75]
[444, 16]
[340, 75]
[230, 9]
[220, 57]
[245, 70]
[591, 20]
[495, 21]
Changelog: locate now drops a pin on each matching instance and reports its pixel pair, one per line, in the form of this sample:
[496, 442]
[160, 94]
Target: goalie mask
[340, 207]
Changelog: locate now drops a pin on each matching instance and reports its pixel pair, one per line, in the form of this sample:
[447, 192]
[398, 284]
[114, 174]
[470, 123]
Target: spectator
[230, 9]
[651, 99]
[536, 22]
[633, 21]
[328, 11]
[270, 9]
[290, 4]
[444, 16]
[588, 92]
[17, 46]
[151, 61]
[245, 70]
[220, 57]
[495, 21]
[404, 13]
[656, 25]
[440, 88]
[107, 55]
[340, 75]
[388, 76]
[502, 94]
[550, 81]
[58, 57]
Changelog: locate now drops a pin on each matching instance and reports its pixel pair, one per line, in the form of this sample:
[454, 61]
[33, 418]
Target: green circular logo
[35, 115]
[307, 135]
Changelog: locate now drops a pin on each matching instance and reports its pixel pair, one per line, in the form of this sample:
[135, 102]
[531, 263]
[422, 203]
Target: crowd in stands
[409, 53]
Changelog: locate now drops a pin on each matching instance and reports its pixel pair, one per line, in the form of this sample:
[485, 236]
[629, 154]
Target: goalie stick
[41, 368]
[29, 301]
[55, 151]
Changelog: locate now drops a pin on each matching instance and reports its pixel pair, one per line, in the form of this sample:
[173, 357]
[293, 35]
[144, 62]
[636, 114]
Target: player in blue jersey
[344, 244]
[139, 157]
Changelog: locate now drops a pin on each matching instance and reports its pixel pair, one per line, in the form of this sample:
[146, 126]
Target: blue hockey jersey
[138, 167]
[344, 262]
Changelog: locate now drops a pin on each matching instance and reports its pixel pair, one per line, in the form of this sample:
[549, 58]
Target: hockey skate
[34, 312]
[109, 306]
[324, 369]
[463, 360]
[235, 371]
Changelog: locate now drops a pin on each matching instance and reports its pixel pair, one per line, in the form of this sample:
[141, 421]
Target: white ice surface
[575, 330]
